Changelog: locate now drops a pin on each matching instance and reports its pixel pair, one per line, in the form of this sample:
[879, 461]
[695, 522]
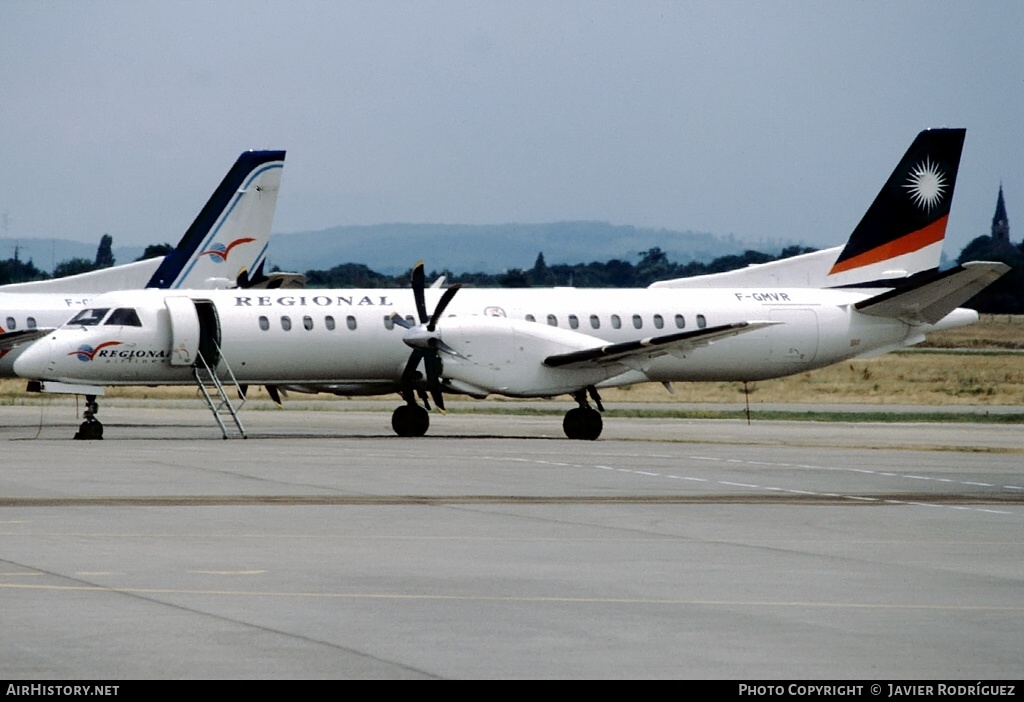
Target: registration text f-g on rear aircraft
[879, 292]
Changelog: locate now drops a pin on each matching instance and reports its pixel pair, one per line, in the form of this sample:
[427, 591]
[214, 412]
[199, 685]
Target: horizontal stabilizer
[933, 297]
[653, 346]
[282, 280]
[809, 270]
[13, 339]
[124, 277]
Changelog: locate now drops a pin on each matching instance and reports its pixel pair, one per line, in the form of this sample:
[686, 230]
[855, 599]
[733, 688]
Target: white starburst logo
[926, 185]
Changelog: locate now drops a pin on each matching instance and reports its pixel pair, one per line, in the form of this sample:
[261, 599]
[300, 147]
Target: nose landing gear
[91, 428]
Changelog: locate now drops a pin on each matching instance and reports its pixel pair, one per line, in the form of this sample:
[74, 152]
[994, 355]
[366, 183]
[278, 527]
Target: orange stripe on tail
[904, 245]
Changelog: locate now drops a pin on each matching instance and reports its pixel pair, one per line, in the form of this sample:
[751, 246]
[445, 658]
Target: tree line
[616, 273]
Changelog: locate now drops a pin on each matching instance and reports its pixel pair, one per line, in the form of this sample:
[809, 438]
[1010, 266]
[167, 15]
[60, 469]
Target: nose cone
[34, 362]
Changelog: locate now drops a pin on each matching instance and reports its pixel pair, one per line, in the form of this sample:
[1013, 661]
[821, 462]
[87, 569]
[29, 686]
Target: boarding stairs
[221, 405]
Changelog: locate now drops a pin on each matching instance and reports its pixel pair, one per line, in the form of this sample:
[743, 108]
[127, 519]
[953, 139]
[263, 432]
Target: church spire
[1000, 222]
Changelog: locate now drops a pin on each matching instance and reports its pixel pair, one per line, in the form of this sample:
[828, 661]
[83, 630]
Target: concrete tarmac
[325, 547]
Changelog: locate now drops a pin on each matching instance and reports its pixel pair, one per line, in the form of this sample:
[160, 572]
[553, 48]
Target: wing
[652, 346]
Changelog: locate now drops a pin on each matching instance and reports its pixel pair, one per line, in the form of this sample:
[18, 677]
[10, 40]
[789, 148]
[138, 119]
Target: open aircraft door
[184, 330]
[195, 331]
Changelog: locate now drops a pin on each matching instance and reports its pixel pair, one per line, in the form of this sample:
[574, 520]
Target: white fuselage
[344, 341]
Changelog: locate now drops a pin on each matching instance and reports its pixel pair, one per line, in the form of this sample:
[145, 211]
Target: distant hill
[393, 248]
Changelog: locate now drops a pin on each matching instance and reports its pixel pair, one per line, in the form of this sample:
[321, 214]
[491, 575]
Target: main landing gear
[584, 422]
[410, 420]
[91, 428]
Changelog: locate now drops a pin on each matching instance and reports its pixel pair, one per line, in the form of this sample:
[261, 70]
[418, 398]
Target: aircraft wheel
[90, 429]
[583, 423]
[410, 420]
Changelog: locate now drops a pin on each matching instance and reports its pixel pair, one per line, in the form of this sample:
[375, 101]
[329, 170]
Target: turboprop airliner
[879, 292]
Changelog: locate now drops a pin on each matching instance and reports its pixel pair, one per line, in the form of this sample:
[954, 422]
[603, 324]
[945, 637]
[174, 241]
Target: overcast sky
[763, 120]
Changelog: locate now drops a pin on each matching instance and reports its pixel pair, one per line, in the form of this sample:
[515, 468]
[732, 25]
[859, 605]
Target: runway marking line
[516, 598]
[831, 495]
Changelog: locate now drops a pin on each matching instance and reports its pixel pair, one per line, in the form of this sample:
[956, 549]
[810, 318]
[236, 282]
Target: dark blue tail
[235, 224]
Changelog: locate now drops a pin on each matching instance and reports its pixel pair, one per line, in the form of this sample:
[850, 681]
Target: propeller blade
[418, 282]
[409, 374]
[274, 395]
[434, 369]
[439, 345]
[439, 310]
[424, 399]
[245, 280]
[400, 321]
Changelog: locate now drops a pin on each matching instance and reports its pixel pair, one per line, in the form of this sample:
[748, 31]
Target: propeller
[272, 390]
[425, 341]
[258, 277]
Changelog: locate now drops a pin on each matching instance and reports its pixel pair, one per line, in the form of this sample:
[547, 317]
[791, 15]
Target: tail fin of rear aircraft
[226, 244]
[899, 236]
[230, 236]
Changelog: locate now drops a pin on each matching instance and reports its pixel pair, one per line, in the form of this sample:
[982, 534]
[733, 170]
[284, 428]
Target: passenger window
[680, 322]
[616, 322]
[595, 322]
[89, 318]
[31, 322]
[530, 318]
[124, 317]
[389, 322]
[351, 322]
[329, 322]
[701, 322]
[307, 322]
[552, 320]
[264, 323]
[11, 324]
[574, 322]
[638, 323]
[659, 322]
[286, 323]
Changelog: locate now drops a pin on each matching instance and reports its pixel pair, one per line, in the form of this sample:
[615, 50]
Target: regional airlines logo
[86, 353]
[926, 185]
[218, 253]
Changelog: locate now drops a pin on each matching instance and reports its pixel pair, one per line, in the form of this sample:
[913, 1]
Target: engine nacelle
[505, 356]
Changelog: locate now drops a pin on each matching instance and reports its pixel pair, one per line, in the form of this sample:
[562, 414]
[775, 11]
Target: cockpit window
[125, 317]
[89, 318]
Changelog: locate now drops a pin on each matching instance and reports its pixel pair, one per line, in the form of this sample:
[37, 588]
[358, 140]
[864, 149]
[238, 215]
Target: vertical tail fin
[232, 232]
[902, 232]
